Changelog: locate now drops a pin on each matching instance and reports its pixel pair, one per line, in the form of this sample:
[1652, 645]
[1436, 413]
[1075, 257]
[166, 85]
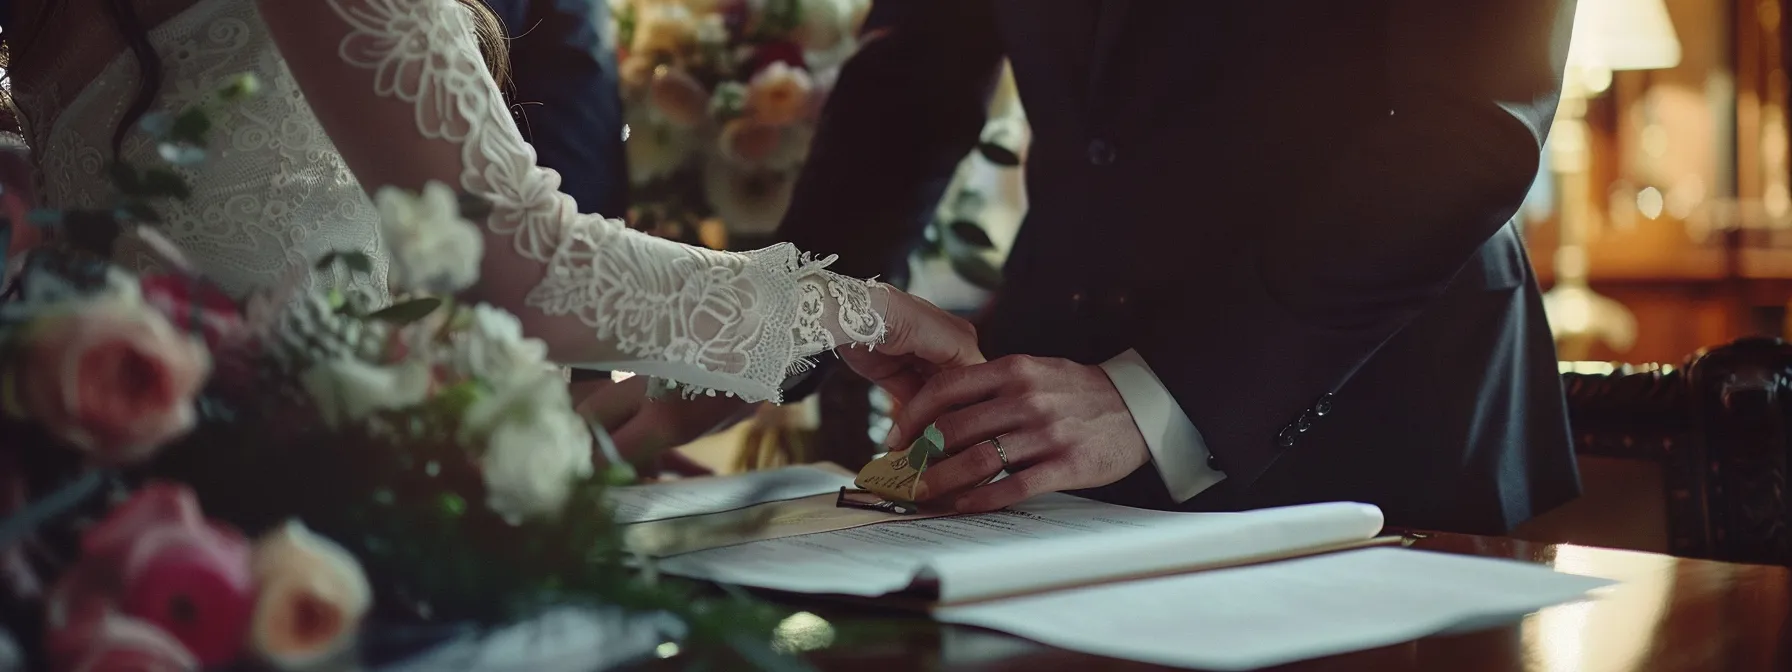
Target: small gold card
[895, 475]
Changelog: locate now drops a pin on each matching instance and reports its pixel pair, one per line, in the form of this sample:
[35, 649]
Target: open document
[1220, 591]
[1048, 543]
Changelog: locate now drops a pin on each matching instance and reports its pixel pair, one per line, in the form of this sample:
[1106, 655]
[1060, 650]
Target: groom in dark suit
[563, 75]
[1269, 259]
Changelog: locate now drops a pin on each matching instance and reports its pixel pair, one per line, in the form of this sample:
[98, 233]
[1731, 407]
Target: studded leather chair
[1719, 426]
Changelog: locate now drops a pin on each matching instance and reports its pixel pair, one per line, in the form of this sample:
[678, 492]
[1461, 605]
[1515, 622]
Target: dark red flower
[192, 304]
[789, 53]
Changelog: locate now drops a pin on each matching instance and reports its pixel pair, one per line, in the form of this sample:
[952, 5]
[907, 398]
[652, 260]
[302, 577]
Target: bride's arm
[403, 93]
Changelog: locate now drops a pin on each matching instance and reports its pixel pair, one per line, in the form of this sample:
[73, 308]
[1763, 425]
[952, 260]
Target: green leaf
[164, 182]
[474, 208]
[191, 127]
[407, 312]
[125, 178]
[140, 211]
[355, 261]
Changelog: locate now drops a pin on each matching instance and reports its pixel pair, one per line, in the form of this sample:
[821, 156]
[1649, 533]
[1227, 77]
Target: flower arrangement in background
[414, 460]
[721, 99]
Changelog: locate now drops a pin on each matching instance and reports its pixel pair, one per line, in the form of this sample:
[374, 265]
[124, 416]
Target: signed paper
[1271, 614]
[1047, 542]
[696, 496]
[772, 520]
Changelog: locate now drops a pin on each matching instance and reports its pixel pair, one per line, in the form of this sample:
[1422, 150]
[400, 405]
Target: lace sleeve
[401, 89]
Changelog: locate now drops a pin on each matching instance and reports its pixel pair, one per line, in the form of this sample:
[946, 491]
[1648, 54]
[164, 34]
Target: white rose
[536, 447]
[531, 463]
[493, 347]
[433, 249]
[825, 23]
[347, 390]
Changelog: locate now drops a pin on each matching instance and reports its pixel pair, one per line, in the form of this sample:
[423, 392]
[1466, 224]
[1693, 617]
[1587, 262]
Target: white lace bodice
[362, 94]
[273, 193]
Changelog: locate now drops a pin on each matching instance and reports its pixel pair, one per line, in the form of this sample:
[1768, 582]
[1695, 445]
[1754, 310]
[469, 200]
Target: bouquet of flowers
[189, 480]
[721, 99]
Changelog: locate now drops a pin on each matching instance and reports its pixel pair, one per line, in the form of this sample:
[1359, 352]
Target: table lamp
[1609, 35]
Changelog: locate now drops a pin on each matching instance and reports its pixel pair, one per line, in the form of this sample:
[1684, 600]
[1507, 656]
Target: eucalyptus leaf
[191, 127]
[474, 208]
[355, 261]
[407, 312]
[930, 446]
[125, 178]
[164, 182]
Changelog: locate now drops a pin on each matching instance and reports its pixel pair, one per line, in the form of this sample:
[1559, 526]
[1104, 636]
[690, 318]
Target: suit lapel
[1109, 20]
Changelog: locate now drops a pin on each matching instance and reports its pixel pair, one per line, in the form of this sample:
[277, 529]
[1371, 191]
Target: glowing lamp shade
[1623, 35]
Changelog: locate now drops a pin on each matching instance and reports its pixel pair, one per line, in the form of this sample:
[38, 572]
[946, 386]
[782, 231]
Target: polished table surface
[1667, 614]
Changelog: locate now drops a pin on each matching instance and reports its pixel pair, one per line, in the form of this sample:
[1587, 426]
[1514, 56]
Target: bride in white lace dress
[361, 94]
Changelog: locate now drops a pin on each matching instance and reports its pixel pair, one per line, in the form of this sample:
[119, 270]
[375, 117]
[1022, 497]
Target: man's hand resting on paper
[1062, 425]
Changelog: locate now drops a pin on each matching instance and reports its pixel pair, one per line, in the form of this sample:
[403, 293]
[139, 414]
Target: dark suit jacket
[1299, 213]
[564, 76]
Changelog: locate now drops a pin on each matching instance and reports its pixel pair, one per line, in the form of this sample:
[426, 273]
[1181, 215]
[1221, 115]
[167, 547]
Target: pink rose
[84, 631]
[112, 377]
[170, 568]
[117, 643]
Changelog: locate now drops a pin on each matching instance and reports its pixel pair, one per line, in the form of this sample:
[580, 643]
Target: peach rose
[664, 33]
[313, 595]
[112, 377]
[678, 96]
[779, 94]
[749, 141]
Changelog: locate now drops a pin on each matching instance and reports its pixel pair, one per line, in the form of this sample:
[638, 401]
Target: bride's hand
[920, 340]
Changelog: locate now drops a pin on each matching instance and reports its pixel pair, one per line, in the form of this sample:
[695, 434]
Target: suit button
[1213, 462]
[1323, 407]
[1102, 153]
[1286, 438]
[1304, 422]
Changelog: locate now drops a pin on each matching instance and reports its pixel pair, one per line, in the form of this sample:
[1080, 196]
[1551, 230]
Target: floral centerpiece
[721, 99]
[190, 480]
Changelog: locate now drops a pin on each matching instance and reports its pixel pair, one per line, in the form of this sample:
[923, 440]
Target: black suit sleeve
[570, 107]
[1372, 230]
[907, 108]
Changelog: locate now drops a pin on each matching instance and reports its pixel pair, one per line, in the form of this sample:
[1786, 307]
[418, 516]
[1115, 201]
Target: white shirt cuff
[1176, 446]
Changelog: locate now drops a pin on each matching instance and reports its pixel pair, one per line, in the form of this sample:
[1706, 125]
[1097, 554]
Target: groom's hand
[1061, 424]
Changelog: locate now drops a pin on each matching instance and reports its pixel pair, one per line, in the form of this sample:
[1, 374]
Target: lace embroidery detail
[274, 194]
[740, 323]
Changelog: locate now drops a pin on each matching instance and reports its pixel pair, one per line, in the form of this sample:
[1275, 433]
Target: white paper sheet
[1271, 614]
[695, 496]
[1053, 539]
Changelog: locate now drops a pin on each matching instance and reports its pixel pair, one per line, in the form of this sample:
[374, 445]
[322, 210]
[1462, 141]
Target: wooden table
[1668, 614]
